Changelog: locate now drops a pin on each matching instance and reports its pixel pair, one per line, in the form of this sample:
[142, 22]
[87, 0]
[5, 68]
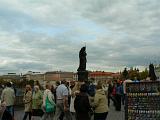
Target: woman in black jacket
[81, 104]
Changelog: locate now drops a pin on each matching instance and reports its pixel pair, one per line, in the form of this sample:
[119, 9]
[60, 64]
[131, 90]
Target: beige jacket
[28, 101]
[8, 96]
[100, 102]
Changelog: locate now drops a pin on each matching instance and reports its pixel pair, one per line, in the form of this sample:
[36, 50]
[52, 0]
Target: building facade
[99, 76]
[10, 76]
[49, 76]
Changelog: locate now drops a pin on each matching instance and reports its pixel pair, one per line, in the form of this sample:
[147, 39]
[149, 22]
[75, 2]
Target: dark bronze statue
[82, 59]
[82, 72]
[152, 74]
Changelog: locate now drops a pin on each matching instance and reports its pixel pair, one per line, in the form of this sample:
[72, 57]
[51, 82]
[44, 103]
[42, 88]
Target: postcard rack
[142, 101]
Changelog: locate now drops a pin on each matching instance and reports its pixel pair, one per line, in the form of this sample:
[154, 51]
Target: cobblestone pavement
[116, 115]
[112, 115]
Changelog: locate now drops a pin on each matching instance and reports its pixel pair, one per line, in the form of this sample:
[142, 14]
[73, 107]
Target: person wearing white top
[75, 90]
[124, 89]
[62, 106]
[8, 96]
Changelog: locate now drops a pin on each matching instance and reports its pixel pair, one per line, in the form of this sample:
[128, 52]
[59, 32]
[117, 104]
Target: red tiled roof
[100, 73]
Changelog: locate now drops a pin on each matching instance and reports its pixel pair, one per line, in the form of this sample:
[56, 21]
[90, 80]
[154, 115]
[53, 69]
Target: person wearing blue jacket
[118, 96]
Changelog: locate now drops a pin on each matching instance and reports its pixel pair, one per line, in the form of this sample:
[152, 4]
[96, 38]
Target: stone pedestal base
[82, 76]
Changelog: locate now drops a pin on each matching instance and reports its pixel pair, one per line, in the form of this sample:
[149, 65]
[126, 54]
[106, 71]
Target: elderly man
[62, 106]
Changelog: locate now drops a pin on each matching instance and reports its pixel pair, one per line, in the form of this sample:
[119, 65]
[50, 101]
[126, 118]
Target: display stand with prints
[142, 101]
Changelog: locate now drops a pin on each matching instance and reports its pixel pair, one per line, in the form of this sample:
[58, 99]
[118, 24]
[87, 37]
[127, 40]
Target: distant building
[58, 75]
[75, 76]
[35, 76]
[99, 75]
[49, 76]
[10, 76]
[116, 75]
[52, 76]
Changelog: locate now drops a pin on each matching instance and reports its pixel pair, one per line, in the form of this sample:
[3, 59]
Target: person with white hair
[37, 102]
[48, 98]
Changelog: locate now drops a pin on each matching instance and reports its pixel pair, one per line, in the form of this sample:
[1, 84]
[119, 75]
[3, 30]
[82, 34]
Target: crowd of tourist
[65, 101]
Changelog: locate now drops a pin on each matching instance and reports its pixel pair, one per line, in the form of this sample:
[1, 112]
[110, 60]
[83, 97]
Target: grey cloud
[23, 66]
[134, 17]
[120, 33]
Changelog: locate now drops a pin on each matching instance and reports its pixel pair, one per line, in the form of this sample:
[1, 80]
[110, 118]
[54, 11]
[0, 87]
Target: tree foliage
[134, 73]
[144, 74]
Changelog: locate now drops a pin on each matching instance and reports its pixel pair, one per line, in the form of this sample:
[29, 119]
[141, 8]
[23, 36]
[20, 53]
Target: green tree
[134, 73]
[144, 74]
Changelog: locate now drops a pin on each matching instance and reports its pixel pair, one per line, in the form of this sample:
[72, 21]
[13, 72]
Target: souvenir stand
[142, 101]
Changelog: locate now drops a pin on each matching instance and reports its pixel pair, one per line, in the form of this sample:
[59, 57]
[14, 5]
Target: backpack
[79, 104]
[114, 91]
[119, 90]
[92, 90]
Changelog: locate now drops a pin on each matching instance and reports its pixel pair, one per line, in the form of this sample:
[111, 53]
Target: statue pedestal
[82, 76]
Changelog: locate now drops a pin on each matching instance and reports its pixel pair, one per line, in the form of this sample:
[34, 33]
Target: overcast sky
[46, 35]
